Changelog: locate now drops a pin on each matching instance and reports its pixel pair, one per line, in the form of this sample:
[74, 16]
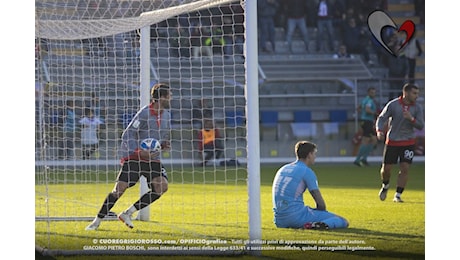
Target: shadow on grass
[385, 237]
[373, 233]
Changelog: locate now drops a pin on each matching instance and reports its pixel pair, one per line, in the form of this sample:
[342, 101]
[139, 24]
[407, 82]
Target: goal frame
[252, 127]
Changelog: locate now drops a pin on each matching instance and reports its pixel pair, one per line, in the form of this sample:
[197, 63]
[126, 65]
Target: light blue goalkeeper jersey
[289, 184]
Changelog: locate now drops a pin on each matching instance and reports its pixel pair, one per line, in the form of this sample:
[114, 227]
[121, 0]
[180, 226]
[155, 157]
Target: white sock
[386, 186]
[397, 194]
[131, 210]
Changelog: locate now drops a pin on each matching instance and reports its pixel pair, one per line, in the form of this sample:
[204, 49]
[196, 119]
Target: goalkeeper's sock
[146, 199]
[107, 205]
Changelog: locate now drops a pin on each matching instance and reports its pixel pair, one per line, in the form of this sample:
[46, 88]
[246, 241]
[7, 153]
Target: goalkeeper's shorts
[131, 171]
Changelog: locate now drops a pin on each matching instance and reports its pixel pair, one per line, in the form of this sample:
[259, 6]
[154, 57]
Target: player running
[403, 116]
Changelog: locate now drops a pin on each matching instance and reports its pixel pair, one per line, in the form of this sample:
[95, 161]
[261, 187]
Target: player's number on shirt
[284, 182]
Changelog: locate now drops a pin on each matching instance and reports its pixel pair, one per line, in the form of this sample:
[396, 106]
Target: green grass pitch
[210, 206]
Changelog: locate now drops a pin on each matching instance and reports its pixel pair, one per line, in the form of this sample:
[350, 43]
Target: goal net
[90, 66]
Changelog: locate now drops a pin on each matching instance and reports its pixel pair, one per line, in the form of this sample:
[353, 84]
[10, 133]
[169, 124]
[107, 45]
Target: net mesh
[88, 57]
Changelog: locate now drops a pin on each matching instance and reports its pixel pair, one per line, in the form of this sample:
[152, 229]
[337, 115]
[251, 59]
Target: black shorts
[391, 154]
[368, 128]
[131, 171]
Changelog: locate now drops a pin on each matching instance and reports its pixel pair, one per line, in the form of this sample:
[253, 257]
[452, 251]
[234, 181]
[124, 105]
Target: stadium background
[302, 95]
